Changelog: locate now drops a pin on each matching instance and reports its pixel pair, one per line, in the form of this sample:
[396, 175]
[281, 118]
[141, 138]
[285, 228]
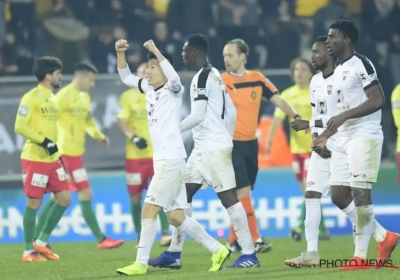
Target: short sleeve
[366, 73]
[268, 88]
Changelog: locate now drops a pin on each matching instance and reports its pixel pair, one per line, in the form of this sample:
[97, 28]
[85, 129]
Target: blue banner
[277, 199]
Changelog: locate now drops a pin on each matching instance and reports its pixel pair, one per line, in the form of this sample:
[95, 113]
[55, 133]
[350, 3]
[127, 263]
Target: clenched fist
[121, 45]
[150, 45]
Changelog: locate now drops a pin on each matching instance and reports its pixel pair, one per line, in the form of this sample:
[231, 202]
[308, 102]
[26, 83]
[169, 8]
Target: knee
[150, 211]
[85, 194]
[63, 198]
[312, 194]
[176, 217]
[33, 203]
[136, 198]
[361, 196]
[228, 198]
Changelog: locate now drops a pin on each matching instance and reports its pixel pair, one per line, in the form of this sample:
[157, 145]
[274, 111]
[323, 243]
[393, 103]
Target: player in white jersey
[357, 151]
[164, 90]
[210, 163]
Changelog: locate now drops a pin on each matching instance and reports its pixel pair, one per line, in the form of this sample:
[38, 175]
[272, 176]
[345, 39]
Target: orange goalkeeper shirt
[37, 119]
[246, 92]
[75, 120]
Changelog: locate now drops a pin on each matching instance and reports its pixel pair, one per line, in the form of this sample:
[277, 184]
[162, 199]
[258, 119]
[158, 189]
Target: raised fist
[121, 45]
[149, 45]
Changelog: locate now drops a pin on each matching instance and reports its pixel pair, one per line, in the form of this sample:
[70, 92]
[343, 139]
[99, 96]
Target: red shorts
[138, 174]
[300, 165]
[78, 179]
[43, 177]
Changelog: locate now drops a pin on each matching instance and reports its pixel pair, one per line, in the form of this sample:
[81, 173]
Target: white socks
[178, 236]
[365, 223]
[379, 232]
[192, 228]
[241, 227]
[311, 223]
[147, 238]
[40, 243]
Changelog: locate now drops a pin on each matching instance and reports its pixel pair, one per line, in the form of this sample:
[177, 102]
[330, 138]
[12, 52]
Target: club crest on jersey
[253, 95]
[363, 76]
[329, 89]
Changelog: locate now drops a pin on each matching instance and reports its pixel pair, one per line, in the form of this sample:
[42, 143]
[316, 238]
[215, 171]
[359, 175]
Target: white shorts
[213, 168]
[318, 174]
[166, 189]
[355, 161]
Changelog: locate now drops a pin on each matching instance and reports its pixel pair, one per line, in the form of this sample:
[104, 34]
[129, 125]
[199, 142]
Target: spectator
[101, 50]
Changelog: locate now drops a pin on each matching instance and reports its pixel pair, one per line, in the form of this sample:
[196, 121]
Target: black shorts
[245, 162]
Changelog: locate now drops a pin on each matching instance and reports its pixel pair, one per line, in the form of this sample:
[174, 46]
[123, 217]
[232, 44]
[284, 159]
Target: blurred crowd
[277, 31]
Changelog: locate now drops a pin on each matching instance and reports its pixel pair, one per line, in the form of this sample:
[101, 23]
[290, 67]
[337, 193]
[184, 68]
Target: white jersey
[323, 100]
[212, 132]
[230, 119]
[352, 78]
[163, 112]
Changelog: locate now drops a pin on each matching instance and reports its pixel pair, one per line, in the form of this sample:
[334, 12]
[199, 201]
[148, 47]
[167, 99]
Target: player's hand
[50, 147]
[319, 142]
[105, 142]
[300, 124]
[335, 122]
[323, 152]
[139, 142]
[121, 45]
[150, 45]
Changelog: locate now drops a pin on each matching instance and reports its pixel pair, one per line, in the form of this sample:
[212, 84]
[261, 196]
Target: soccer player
[210, 162]
[298, 96]
[247, 89]
[395, 100]
[75, 121]
[42, 169]
[357, 152]
[132, 122]
[164, 90]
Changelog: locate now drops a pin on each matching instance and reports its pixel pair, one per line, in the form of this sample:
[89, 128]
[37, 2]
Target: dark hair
[164, 54]
[300, 59]
[347, 28]
[198, 41]
[241, 46]
[85, 66]
[321, 39]
[46, 65]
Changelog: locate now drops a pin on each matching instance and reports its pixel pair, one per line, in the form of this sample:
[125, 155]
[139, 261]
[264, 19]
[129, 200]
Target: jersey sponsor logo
[23, 111]
[322, 108]
[39, 180]
[49, 110]
[133, 179]
[340, 96]
[61, 174]
[80, 175]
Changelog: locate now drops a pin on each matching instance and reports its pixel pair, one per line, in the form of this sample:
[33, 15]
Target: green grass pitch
[84, 261]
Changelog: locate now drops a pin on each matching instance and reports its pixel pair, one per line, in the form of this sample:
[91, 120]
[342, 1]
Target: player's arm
[92, 129]
[124, 72]
[123, 126]
[395, 100]
[174, 81]
[270, 92]
[375, 99]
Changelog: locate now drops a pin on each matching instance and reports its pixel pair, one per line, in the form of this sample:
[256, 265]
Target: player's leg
[58, 184]
[317, 185]
[172, 257]
[43, 216]
[297, 166]
[216, 167]
[364, 155]
[34, 188]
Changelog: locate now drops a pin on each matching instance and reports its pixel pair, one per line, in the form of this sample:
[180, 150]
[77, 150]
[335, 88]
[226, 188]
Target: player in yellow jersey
[132, 121]
[42, 169]
[75, 121]
[396, 116]
[298, 96]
